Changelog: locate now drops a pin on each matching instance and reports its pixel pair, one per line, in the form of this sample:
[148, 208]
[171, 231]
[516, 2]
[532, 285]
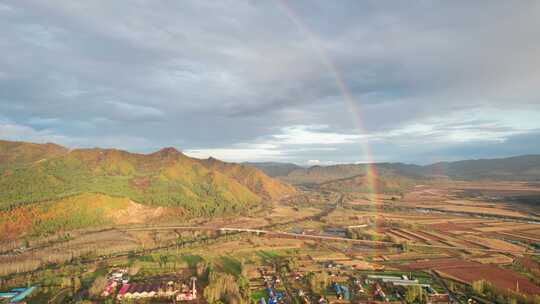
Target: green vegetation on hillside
[385, 182]
[166, 178]
[252, 178]
[179, 184]
[87, 210]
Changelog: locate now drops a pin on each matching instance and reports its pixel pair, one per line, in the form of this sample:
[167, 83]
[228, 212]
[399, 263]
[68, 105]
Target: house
[109, 289]
[123, 290]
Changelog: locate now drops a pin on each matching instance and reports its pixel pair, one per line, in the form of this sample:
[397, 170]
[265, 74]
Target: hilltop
[14, 153]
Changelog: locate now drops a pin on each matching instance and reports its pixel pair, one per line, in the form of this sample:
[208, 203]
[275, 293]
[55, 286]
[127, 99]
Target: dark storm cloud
[241, 79]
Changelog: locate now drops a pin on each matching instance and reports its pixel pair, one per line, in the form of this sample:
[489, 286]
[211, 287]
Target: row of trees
[490, 291]
[223, 287]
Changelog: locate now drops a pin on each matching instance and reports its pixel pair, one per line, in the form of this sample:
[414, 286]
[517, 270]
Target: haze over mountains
[518, 168]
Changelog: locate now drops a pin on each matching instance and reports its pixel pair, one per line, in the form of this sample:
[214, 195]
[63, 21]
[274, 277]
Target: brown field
[531, 233]
[438, 263]
[494, 186]
[506, 227]
[289, 213]
[455, 226]
[397, 235]
[413, 235]
[501, 278]
[468, 272]
[483, 210]
[519, 237]
[494, 259]
[409, 256]
[494, 243]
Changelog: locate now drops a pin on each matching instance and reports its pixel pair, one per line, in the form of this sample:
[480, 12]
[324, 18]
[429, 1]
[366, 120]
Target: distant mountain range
[33, 174]
[274, 169]
[518, 168]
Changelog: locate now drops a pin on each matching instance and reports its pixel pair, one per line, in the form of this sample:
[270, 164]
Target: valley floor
[464, 240]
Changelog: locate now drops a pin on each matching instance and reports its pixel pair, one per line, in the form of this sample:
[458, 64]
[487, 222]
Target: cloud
[128, 111]
[318, 134]
[264, 80]
[316, 162]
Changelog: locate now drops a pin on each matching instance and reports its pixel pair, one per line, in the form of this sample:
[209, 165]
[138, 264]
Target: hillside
[254, 179]
[19, 153]
[386, 181]
[76, 212]
[165, 178]
[274, 169]
[519, 168]
[321, 174]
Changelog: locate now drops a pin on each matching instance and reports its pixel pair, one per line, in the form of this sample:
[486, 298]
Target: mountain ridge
[166, 177]
[274, 169]
[514, 168]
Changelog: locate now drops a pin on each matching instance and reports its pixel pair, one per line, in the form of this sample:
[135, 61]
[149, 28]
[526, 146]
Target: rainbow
[354, 109]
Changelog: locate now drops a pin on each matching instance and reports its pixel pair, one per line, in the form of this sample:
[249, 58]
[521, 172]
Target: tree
[318, 282]
[98, 286]
[202, 269]
[223, 287]
[76, 284]
[163, 260]
[479, 286]
[415, 294]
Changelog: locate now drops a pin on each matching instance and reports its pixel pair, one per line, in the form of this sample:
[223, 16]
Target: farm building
[140, 290]
[16, 295]
[157, 290]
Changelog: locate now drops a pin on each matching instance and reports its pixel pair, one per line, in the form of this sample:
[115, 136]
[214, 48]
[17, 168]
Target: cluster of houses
[119, 286]
[115, 278]
[181, 292]
[402, 282]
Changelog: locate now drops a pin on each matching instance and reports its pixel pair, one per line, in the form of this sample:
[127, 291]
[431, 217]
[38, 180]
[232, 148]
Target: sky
[312, 82]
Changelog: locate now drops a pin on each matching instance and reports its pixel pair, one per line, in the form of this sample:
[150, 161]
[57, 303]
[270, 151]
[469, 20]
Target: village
[276, 280]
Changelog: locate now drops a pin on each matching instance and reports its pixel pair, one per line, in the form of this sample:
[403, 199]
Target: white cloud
[313, 135]
[17, 132]
[295, 139]
[316, 162]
